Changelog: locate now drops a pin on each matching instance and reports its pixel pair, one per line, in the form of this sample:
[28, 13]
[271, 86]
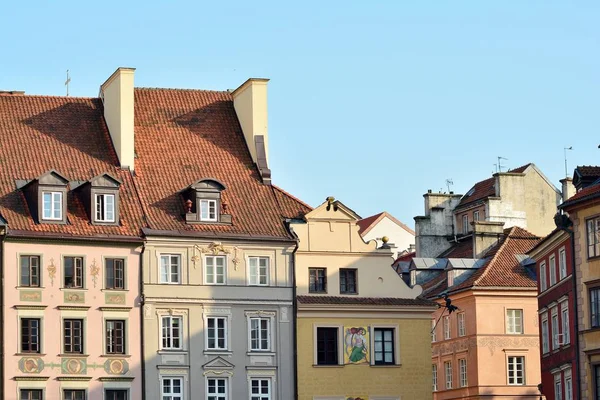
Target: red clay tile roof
[182, 136]
[485, 188]
[290, 206]
[377, 301]
[69, 135]
[588, 170]
[405, 257]
[462, 249]
[365, 224]
[589, 193]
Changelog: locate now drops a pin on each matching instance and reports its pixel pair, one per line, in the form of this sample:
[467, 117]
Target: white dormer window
[52, 202]
[208, 210]
[105, 207]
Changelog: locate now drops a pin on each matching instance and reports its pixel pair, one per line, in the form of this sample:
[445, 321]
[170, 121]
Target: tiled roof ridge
[182, 90]
[45, 96]
[291, 196]
[521, 169]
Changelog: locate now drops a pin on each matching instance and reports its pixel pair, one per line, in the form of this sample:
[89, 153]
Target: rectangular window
[597, 380]
[259, 270]
[475, 215]
[31, 394]
[555, 330]
[462, 363]
[545, 336]
[433, 334]
[115, 337]
[260, 389]
[171, 332]
[52, 205]
[564, 316]
[447, 327]
[465, 224]
[434, 373]
[171, 388]
[30, 271]
[543, 281]
[562, 264]
[73, 272]
[460, 318]
[514, 322]
[593, 237]
[170, 268]
[348, 281]
[448, 372]
[327, 346]
[216, 389]
[214, 273]
[105, 207]
[78, 394]
[568, 385]
[208, 210]
[318, 280]
[557, 387]
[30, 335]
[115, 273]
[73, 335]
[216, 333]
[384, 346]
[552, 268]
[259, 334]
[595, 307]
[115, 394]
[516, 370]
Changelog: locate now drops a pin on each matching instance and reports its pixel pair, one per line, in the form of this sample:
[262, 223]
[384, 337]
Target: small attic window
[105, 207]
[46, 197]
[208, 210]
[204, 202]
[100, 195]
[52, 206]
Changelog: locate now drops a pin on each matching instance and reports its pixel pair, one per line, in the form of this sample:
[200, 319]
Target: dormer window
[204, 203]
[52, 206]
[105, 207]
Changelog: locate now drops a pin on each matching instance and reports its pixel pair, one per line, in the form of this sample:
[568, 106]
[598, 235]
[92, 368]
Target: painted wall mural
[356, 344]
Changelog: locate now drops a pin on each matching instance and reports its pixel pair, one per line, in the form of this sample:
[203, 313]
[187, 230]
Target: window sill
[75, 288]
[261, 353]
[30, 287]
[212, 352]
[169, 283]
[114, 290]
[175, 351]
[349, 293]
[317, 292]
[29, 354]
[329, 366]
[115, 356]
[73, 355]
[386, 365]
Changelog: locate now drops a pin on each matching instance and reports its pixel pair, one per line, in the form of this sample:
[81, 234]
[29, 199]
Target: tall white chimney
[250, 104]
[117, 96]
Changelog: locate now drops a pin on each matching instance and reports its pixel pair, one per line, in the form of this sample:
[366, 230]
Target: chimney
[568, 190]
[117, 97]
[250, 104]
[485, 235]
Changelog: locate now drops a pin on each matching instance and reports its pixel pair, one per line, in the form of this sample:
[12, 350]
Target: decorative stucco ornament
[51, 271]
[216, 248]
[94, 271]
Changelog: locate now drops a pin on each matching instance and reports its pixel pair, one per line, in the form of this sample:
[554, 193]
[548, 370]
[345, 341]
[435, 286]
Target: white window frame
[543, 277]
[256, 281]
[226, 333]
[568, 384]
[460, 320]
[511, 321]
[260, 338]
[446, 324]
[208, 203]
[172, 396]
[564, 316]
[54, 196]
[216, 395]
[340, 341]
[269, 395]
[555, 326]
[562, 263]
[476, 215]
[448, 374]
[558, 386]
[552, 268]
[433, 331]
[270, 317]
[396, 343]
[170, 257]
[465, 221]
[214, 266]
[516, 377]
[434, 371]
[181, 328]
[105, 207]
[545, 334]
[462, 370]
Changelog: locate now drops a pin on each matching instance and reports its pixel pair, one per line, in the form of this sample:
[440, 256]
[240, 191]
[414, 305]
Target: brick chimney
[568, 189]
[485, 235]
[250, 104]
[117, 96]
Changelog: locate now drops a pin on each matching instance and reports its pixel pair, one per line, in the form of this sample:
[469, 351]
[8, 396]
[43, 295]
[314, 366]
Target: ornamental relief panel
[215, 249]
[492, 343]
[73, 366]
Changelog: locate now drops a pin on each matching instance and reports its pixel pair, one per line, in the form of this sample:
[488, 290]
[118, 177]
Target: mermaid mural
[356, 345]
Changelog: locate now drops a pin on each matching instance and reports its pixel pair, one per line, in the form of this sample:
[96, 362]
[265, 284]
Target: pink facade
[71, 320]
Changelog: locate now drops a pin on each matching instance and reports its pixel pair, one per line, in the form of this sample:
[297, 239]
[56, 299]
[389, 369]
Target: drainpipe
[142, 329]
[294, 308]
[2, 358]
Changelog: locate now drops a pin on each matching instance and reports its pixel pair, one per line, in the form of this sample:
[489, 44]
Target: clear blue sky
[371, 102]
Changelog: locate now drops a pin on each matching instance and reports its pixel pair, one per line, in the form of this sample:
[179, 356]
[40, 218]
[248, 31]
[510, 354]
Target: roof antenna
[500, 166]
[449, 183]
[67, 82]
[565, 151]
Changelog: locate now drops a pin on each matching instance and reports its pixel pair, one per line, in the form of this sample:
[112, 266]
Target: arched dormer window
[204, 203]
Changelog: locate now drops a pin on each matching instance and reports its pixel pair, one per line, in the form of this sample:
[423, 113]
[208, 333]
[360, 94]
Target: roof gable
[105, 181]
[341, 211]
[366, 224]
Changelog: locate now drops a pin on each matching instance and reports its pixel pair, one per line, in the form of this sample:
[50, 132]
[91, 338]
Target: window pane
[110, 207]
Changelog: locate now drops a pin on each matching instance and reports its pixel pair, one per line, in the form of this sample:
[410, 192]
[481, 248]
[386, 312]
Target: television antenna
[500, 166]
[67, 82]
[449, 182]
[566, 169]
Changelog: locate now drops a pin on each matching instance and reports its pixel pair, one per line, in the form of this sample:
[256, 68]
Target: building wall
[194, 300]
[470, 213]
[51, 369]
[486, 345]
[410, 380]
[540, 204]
[399, 236]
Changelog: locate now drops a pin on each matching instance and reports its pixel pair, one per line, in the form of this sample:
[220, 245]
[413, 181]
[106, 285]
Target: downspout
[142, 329]
[294, 309]
[2, 358]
